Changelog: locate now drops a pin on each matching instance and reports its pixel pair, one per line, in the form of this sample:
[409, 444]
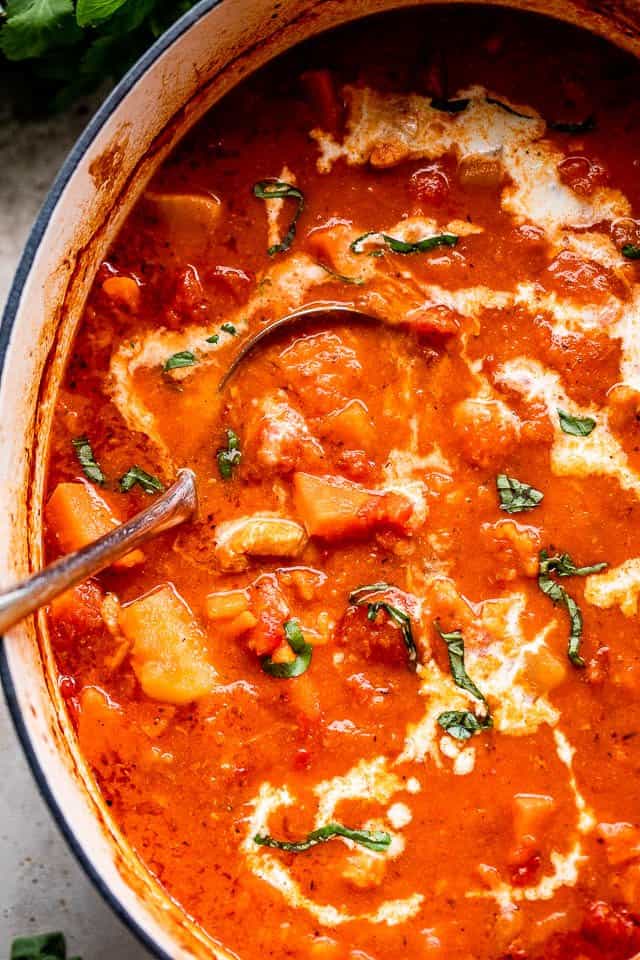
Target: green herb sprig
[516, 496]
[462, 724]
[303, 651]
[366, 596]
[561, 565]
[229, 457]
[382, 240]
[377, 840]
[575, 426]
[90, 467]
[185, 358]
[136, 475]
[272, 190]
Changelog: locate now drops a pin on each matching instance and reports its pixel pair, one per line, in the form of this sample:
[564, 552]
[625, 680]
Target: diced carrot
[621, 840]
[79, 606]
[544, 670]
[77, 514]
[321, 88]
[351, 426]
[304, 698]
[169, 655]
[244, 622]
[332, 507]
[531, 814]
[227, 605]
[100, 722]
[123, 290]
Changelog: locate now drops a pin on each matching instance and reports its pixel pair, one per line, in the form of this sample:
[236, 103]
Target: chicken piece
[259, 535]
[278, 437]
[169, 655]
[487, 429]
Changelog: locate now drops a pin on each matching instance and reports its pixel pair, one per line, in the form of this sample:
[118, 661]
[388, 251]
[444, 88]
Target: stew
[384, 692]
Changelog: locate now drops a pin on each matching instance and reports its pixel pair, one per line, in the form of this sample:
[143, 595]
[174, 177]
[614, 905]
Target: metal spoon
[332, 311]
[174, 506]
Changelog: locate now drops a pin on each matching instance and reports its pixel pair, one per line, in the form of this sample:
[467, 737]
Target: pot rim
[7, 322]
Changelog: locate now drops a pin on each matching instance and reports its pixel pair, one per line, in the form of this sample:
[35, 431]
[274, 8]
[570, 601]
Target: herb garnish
[213, 338]
[229, 328]
[90, 467]
[450, 106]
[579, 126]
[340, 276]
[377, 840]
[631, 251]
[364, 595]
[147, 481]
[272, 190]
[401, 246]
[455, 649]
[508, 109]
[516, 496]
[185, 358]
[575, 426]
[562, 565]
[230, 456]
[303, 651]
[42, 946]
[462, 724]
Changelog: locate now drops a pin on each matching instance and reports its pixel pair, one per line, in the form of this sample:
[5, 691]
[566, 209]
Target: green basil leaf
[90, 467]
[508, 109]
[43, 946]
[340, 276]
[401, 246]
[229, 328]
[229, 457]
[183, 359]
[303, 651]
[575, 426]
[516, 496]
[90, 12]
[631, 251]
[580, 126]
[562, 565]
[365, 596]
[455, 649]
[450, 106]
[213, 338]
[147, 481]
[378, 840]
[462, 724]
[272, 189]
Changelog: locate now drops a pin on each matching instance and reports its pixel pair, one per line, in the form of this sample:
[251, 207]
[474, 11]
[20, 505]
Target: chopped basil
[363, 596]
[229, 328]
[516, 496]
[462, 724]
[450, 106]
[455, 649]
[508, 109]
[576, 426]
[631, 251]
[562, 565]
[340, 276]
[230, 456]
[303, 651]
[274, 189]
[213, 338]
[183, 359]
[90, 467]
[147, 481]
[381, 240]
[372, 839]
[42, 946]
[579, 126]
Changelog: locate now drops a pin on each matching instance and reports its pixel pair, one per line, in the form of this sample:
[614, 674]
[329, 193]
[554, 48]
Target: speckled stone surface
[42, 887]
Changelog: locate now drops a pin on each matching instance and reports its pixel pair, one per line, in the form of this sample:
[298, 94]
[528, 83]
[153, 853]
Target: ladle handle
[177, 504]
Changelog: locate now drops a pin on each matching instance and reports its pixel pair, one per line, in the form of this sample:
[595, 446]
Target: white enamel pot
[208, 51]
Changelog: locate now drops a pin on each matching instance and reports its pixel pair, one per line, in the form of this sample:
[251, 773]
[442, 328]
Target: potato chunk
[169, 655]
[332, 507]
[189, 218]
[260, 535]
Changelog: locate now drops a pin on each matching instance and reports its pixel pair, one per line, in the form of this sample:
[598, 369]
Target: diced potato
[332, 507]
[78, 515]
[169, 655]
[544, 670]
[241, 624]
[189, 218]
[351, 426]
[621, 841]
[259, 535]
[124, 290]
[226, 605]
[531, 814]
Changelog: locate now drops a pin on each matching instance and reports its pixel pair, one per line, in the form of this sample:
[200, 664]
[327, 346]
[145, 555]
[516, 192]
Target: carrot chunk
[332, 507]
[124, 290]
[531, 814]
[77, 514]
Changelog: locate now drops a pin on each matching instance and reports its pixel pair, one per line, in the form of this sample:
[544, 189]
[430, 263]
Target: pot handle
[177, 504]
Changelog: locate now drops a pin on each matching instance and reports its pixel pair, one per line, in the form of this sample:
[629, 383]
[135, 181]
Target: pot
[205, 53]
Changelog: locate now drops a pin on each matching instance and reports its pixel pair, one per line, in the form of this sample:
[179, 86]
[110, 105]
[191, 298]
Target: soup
[382, 693]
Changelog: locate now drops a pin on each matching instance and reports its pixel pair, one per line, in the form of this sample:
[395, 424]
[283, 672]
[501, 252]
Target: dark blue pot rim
[38, 230]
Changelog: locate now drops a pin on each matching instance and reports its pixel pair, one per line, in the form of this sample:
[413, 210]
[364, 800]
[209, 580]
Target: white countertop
[42, 887]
